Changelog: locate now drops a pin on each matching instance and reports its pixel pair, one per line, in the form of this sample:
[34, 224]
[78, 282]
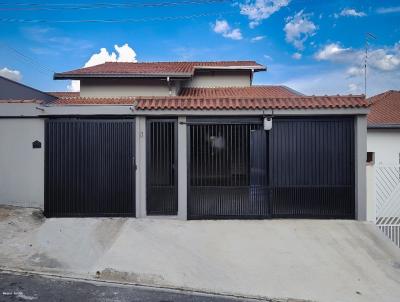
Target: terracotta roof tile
[21, 101]
[385, 108]
[241, 103]
[246, 103]
[155, 68]
[252, 91]
[92, 101]
[60, 94]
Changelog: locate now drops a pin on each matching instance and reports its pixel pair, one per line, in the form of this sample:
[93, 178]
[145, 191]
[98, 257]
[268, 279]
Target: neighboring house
[11, 90]
[383, 159]
[192, 139]
[384, 129]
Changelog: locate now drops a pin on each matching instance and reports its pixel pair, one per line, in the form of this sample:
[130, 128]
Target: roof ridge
[172, 62]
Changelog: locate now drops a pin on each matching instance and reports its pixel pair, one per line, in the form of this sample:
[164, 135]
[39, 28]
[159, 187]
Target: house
[383, 163]
[196, 140]
[384, 129]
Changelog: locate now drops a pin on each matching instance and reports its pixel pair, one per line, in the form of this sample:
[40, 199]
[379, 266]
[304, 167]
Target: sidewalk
[317, 260]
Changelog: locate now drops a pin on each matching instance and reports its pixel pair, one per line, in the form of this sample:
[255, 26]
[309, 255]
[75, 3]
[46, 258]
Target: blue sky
[316, 47]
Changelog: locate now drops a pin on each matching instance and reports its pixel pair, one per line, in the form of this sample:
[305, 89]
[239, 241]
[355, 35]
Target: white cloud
[124, 54]
[14, 75]
[222, 27]
[350, 12]
[388, 10]
[332, 52]
[257, 38]
[297, 56]
[382, 59]
[354, 88]
[298, 29]
[348, 75]
[336, 81]
[259, 10]
[74, 86]
[268, 57]
[355, 71]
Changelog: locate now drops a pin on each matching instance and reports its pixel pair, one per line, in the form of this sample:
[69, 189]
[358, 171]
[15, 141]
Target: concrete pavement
[319, 260]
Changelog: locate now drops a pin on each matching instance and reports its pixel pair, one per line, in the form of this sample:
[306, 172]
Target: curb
[183, 290]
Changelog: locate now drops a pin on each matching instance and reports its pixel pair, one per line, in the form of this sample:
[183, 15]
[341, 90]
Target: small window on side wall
[370, 158]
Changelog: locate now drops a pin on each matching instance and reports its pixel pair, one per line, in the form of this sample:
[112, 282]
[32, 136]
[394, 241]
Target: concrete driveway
[317, 260]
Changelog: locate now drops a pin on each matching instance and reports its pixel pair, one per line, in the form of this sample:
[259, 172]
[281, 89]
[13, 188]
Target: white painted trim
[29, 109]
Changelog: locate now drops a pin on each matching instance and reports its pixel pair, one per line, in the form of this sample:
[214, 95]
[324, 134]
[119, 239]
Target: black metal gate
[302, 168]
[228, 173]
[90, 167]
[162, 192]
[312, 167]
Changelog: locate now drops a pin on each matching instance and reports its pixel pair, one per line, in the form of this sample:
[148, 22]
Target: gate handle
[134, 163]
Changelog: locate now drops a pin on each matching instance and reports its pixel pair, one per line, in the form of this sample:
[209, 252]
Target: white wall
[386, 145]
[125, 87]
[21, 166]
[156, 87]
[220, 79]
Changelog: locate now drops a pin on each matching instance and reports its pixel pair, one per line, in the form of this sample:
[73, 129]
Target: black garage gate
[302, 168]
[90, 167]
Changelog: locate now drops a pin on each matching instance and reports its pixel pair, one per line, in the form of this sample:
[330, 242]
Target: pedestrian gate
[162, 193]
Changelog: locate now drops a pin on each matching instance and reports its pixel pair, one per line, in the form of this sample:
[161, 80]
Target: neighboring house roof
[252, 91]
[12, 90]
[385, 110]
[155, 69]
[223, 103]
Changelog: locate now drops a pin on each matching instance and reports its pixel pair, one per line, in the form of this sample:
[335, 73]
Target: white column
[182, 168]
[360, 132]
[141, 166]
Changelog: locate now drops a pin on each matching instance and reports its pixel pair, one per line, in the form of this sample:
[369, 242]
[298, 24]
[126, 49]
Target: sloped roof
[61, 94]
[252, 91]
[223, 103]
[384, 110]
[153, 69]
[250, 103]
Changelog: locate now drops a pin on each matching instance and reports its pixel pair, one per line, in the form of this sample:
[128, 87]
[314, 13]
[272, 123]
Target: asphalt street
[23, 287]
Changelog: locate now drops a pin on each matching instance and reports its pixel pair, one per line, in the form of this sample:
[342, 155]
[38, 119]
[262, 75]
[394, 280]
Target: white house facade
[194, 140]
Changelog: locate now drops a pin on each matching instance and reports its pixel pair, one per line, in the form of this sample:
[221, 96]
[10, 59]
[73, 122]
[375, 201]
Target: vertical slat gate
[227, 175]
[302, 168]
[312, 168]
[90, 168]
[162, 192]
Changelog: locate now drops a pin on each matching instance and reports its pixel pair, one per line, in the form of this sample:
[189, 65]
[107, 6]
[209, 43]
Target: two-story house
[194, 140]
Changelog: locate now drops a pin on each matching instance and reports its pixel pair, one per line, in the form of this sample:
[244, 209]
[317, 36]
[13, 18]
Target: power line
[42, 68]
[126, 20]
[60, 6]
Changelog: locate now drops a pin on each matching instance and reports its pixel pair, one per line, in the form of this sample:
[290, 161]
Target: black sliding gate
[302, 168]
[162, 191]
[90, 167]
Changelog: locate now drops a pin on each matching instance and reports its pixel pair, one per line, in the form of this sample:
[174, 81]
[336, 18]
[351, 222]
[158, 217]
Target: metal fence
[387, 196]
